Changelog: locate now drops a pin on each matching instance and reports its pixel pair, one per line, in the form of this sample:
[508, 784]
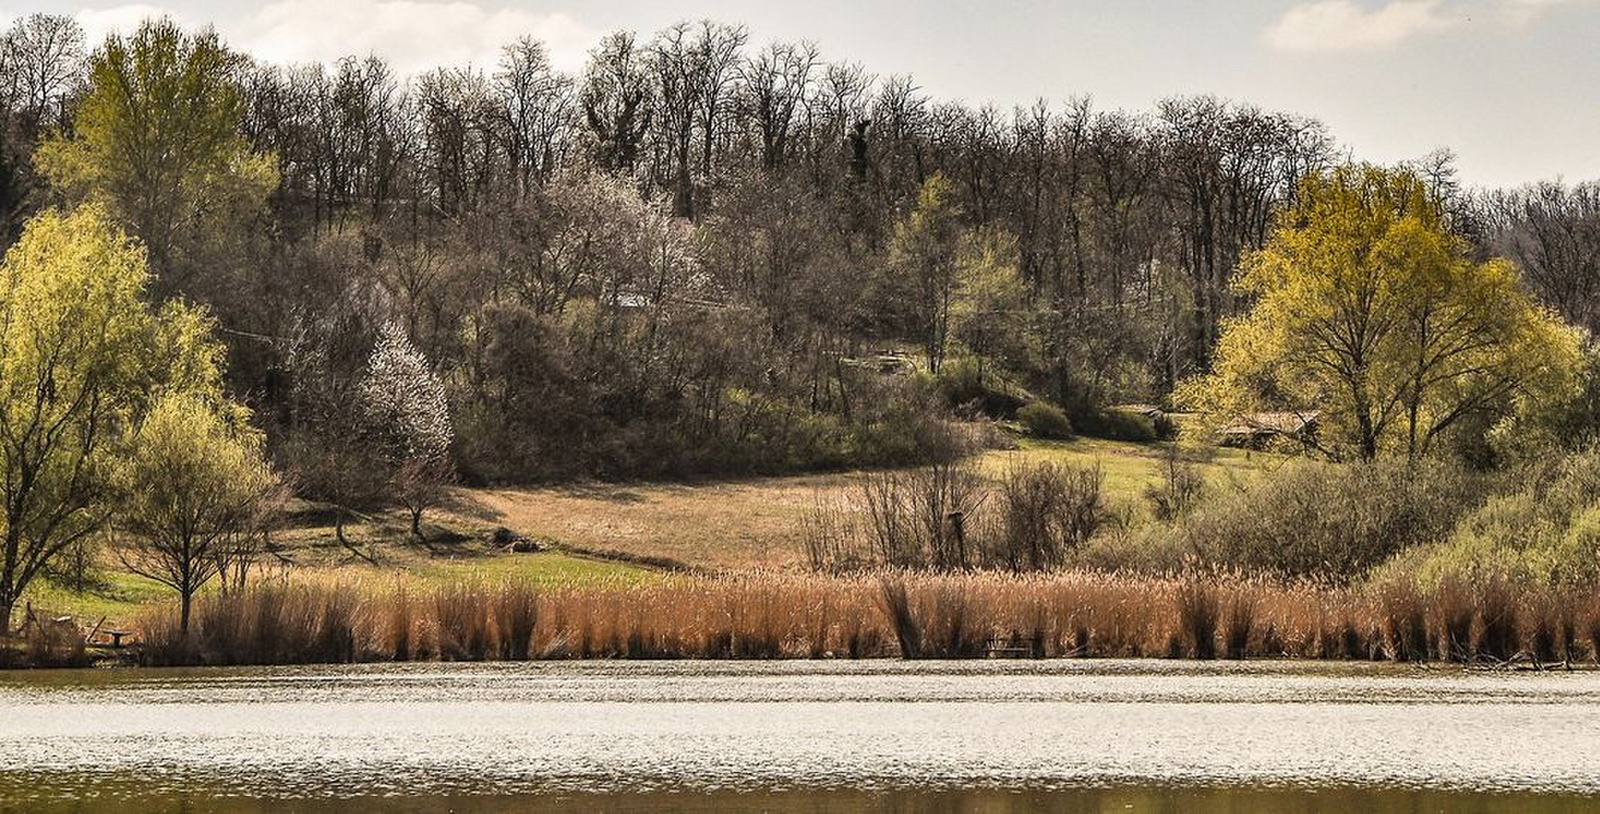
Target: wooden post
[958, 530]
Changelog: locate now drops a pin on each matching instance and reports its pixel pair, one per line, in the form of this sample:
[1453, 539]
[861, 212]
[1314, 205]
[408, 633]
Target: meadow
[597, 532]
[758, 522]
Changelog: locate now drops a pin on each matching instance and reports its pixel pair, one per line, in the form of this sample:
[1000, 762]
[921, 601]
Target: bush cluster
[1043, 420]
[1544, 533]
[1307, 518]
[1119, 425]
[950, 517]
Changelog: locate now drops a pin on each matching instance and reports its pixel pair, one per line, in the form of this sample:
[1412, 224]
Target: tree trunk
[416, 524]
[183, 615]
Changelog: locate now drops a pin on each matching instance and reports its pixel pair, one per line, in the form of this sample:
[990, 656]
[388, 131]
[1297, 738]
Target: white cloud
[123, 19]
[1344, 25]
[414, 35]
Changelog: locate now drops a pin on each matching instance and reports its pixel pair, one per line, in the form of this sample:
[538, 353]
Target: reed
[461, 622]
[1403, 613]
[516, 614]
[1239, 620]
[1198, 609]
[1551, 620]
[1496, 623]
[1451, 611]
[905, 614]
[1590, 608]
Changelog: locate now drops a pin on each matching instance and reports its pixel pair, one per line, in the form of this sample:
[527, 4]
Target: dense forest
[697, 256]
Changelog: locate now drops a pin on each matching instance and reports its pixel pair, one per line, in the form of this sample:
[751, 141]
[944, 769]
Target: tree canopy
[923, 255]
[82, 357]
[1369, 310]
[157, 141]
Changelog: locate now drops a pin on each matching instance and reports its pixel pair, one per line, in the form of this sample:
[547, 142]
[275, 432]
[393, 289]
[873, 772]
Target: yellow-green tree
[923, 257]
[1368, 309]
[193, 478]
[81, 355]
[990, 313]
[157, 142]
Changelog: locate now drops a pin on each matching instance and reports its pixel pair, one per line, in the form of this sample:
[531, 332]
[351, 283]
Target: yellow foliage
[1368, 309]
[156, 142]
[82, 357]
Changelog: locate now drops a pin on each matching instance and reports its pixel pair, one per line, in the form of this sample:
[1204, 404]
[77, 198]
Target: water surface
[1073, 735]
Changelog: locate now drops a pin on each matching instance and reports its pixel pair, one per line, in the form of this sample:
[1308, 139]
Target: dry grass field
[756, 522]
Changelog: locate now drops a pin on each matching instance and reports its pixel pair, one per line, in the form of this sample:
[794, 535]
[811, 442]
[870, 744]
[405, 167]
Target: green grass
[117, 599]
[545, 569]
[122, 595]
[1128, 468]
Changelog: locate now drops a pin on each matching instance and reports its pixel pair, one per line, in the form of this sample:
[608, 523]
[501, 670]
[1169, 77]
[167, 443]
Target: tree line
[699, 254]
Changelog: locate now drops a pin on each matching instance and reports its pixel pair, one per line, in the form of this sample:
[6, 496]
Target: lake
[1063, 735]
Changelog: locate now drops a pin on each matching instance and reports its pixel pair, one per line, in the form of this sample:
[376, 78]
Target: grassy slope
[756, 522]
[741, 523]
[317, 557]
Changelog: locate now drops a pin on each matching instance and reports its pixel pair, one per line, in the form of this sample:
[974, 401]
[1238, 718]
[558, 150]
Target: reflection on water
[802, 736]
[1184, 800]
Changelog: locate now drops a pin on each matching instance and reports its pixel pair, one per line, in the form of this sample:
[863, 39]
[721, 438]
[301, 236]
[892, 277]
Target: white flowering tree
[407, 413]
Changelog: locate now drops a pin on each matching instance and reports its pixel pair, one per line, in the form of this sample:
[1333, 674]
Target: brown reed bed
[893, 614]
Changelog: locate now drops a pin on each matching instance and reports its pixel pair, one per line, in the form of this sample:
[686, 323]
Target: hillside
[605, 532]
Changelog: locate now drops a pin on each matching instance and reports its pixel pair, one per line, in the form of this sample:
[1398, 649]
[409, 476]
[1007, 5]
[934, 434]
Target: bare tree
[41, 66]
[539, 114]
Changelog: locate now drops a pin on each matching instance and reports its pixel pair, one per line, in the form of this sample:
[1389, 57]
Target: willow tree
[1370, 311]
[193, 478]
[81, 355]
[991, 314]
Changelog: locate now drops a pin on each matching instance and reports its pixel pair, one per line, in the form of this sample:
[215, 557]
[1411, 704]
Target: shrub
[1045, 421]
[1046, 512]
[969, 388]
[1546, 534]
[948, 517]
[1337, 521]
[1120, 425]
[1180, 488]
[1140, 548]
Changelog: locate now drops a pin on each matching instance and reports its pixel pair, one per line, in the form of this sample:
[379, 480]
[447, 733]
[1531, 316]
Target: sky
[1511, 86]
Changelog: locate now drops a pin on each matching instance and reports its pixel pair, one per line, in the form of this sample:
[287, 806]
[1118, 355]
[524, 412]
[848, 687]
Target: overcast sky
[1512, 86]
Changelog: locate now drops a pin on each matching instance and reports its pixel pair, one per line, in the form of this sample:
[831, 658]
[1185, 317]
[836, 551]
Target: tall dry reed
[891, 614]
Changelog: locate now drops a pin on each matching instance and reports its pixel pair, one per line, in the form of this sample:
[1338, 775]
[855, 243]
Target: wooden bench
[1017, 646]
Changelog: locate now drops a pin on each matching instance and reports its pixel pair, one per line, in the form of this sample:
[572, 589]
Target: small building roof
[1152, 410]
[1287, 422]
